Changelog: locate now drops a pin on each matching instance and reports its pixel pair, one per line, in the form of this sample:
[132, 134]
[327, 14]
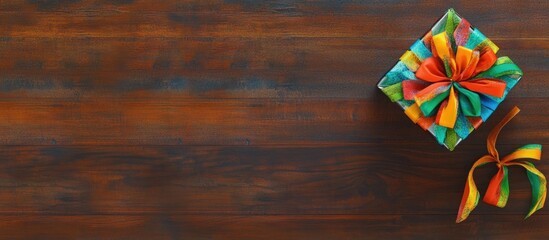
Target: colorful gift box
[450, 80]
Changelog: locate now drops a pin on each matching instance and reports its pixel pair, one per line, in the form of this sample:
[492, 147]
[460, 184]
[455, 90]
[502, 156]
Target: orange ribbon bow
[498, 189]
[447, 80]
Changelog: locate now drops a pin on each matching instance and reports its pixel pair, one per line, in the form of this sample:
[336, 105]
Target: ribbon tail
[470, 194]
[538, 183]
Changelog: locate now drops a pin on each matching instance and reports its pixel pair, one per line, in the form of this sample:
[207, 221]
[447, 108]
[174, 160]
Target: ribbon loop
[531, 151]
[497, 192]
[471, 195]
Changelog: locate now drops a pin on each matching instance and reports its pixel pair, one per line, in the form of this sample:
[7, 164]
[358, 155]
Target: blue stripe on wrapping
[404, 71]
[419, 49]
[397, 74]
[511, 81]
[488, 101]
[406, 103]
[496, 99]
[409, 75]
[485, 113]
[475, 39]
[463, 127]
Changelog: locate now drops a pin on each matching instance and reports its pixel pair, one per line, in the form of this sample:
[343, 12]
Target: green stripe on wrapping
[451, 139]
[394, 92]
[475, 39]
[421, 52]
[504, 187]
[497, 71]
[503, 60]
[429, 108]
[447, 67]
[441, 25]
[469, 102]
[452, 20]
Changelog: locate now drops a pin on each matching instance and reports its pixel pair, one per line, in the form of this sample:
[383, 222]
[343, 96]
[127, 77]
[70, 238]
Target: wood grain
[361, 179]
[173, 121]
[272, 227]
[221, 68]
[244, 18]
[239, 119]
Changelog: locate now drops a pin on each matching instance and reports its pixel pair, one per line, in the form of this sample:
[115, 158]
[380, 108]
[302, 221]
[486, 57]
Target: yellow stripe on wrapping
[410, 60]
[442, 45]
[413, 112]
[449, 113]
[487, 42]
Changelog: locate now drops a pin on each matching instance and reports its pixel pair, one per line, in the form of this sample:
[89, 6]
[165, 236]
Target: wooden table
[245, 119]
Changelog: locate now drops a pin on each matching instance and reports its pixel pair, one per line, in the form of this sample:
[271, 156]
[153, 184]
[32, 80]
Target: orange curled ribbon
[498, 189]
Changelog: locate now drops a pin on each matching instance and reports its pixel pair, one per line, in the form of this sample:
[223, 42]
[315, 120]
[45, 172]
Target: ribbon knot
[497, 192]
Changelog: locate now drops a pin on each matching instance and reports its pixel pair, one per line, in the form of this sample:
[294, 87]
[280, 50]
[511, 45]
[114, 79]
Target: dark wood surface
[244, 119]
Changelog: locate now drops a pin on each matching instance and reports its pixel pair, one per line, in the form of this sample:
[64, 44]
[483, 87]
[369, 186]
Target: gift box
[451, 80]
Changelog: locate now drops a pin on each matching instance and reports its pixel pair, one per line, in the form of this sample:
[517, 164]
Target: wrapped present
[451, 80]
